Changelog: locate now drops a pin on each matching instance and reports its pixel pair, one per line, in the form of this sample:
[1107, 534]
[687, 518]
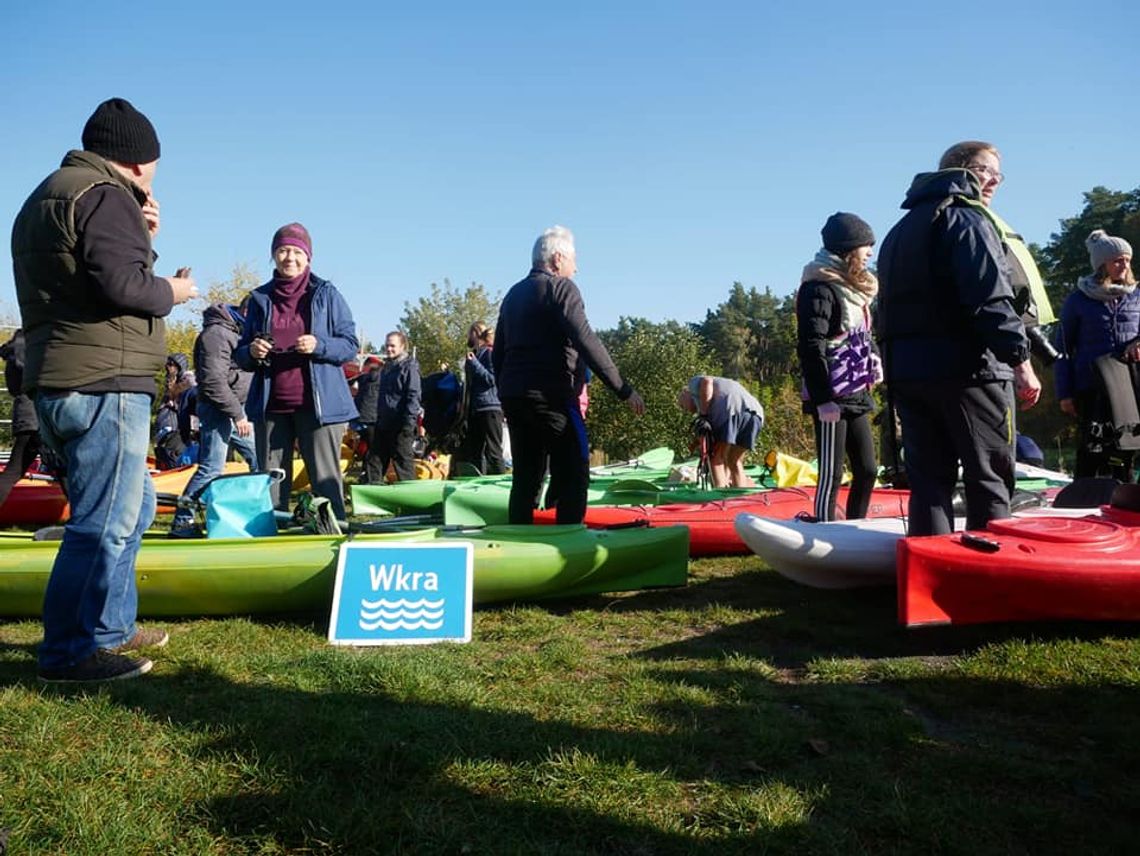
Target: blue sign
[402, 593]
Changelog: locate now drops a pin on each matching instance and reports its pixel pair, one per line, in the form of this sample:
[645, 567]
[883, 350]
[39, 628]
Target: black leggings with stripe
[849, 437]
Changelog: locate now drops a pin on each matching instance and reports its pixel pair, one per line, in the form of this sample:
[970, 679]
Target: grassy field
[742, 714]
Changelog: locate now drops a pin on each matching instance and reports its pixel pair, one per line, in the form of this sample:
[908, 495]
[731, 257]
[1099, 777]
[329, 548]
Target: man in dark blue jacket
[954, 345]
[541, 336]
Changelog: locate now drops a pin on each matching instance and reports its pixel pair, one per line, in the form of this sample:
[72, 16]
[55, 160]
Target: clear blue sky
[688, 145]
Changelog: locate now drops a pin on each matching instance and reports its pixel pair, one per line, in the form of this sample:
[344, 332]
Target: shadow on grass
[947, 763]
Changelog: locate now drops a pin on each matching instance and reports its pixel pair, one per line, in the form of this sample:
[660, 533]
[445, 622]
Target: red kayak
[711, 529]
[39, 501]
[1027, 569]
[34, 503]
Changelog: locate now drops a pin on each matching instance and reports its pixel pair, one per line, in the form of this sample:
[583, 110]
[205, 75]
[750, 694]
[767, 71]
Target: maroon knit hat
[293, 235]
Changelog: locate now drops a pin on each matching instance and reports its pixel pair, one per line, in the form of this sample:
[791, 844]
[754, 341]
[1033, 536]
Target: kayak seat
[1125, 496]
[1089, 492]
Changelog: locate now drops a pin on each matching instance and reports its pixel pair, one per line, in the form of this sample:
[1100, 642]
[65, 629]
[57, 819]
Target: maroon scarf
[292, 317]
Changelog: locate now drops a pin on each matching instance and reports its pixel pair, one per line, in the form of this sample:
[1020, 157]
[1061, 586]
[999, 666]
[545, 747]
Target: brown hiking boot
[145, 637]
[100, 666]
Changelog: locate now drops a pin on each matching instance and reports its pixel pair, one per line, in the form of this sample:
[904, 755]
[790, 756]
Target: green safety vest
[1018, 254]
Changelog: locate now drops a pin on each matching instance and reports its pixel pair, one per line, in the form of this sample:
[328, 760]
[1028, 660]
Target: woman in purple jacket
[1102, 316]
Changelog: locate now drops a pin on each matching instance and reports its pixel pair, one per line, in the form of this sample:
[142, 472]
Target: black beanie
[843, 232]
[119, 132]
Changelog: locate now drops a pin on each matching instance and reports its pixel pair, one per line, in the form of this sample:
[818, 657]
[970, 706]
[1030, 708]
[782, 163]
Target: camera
[1040, 346]
[268, 339]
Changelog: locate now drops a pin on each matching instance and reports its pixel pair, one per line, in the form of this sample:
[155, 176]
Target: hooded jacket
[946, 305]
[222, 383]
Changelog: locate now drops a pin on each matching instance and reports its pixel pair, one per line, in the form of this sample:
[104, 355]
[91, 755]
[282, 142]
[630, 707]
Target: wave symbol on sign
[401, 614]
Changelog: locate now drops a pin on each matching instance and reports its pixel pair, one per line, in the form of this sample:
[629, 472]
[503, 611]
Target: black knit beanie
[843, 232]
[119, 132]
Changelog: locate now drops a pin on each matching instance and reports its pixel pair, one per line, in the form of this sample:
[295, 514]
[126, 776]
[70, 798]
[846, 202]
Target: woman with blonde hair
[838, 360]
[1102, 316]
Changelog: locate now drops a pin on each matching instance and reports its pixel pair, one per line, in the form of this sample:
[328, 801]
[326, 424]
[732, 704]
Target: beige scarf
[828, 267]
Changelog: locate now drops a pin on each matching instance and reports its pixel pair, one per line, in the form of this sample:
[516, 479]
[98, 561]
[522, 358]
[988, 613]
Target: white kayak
[842, 553]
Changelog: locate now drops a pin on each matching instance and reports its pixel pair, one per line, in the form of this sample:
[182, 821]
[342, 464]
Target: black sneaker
[145, 637]
[100, 666]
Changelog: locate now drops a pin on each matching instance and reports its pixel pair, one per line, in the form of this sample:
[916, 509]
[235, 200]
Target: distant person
[170, 441]
[954, 344]
[25, 425]
[398, 412]
[1102, 316]
[838, 361]
[483, 443]
[541, 335]
[367, 403]
[92, 311]
[298, 334]
[735, 417]
[222, 390]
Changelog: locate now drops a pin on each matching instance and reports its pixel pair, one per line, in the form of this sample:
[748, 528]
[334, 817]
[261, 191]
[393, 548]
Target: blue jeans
[216, 433]
[92, 598]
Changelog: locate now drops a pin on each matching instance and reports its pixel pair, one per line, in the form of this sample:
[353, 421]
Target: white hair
[556, 239]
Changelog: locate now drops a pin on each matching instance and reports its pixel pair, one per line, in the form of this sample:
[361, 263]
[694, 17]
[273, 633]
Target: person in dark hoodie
[222, 389]
[541, 339]
[92, 310]
[398, 412]
[170, 440]
[838, 361]
[954, 345]
[298, 335]
[25, 425]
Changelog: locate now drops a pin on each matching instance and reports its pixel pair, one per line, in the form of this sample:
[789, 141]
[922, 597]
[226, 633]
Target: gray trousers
[320, 450]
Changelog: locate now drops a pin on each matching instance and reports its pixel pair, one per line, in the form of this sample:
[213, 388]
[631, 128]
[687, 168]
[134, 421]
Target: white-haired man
[543, 344]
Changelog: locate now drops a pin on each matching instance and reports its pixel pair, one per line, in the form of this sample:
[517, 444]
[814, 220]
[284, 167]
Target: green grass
[742, 714]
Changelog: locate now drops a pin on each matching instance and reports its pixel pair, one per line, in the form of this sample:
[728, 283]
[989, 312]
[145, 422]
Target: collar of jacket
[92, 161]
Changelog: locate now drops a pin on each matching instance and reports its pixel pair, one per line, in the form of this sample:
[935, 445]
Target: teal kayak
[295, 573]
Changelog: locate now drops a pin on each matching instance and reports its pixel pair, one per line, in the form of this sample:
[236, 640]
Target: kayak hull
[1031, 569]
[711, 525]
[40, 502]
[296, 573]
[837, 555]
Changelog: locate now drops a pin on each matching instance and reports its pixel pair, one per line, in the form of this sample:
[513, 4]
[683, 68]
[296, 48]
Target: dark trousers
[545, 427]
[944, 423]
[1095, 455]
[25, 447]
[483, 445]
[391, 444]
[850, 437]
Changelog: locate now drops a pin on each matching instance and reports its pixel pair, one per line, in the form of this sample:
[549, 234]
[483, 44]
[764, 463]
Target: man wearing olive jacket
[541, 339]
[92, 309]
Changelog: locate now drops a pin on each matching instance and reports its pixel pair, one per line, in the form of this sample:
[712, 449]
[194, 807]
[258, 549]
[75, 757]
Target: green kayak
[486, 504]
[295, 573]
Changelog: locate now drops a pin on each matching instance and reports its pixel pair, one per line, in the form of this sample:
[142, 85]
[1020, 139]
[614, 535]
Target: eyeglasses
[987, 171]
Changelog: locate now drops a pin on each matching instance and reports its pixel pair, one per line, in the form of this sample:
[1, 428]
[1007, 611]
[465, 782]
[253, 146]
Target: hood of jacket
[936, 186]
[223, 313]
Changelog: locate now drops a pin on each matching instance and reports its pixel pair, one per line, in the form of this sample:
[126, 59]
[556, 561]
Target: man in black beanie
[92, 311]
